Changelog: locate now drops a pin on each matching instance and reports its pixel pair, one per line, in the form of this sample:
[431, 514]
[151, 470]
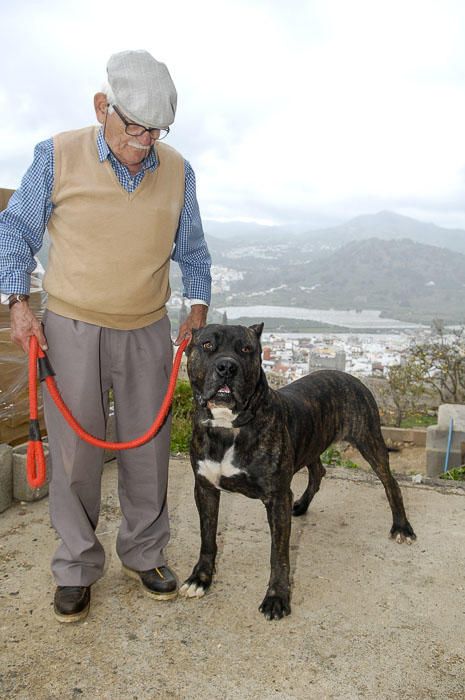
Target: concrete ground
[370, 618]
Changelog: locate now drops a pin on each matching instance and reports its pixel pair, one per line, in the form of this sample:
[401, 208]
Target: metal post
[449, 444]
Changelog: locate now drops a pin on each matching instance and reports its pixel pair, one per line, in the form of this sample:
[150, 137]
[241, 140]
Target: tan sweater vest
[110, 250]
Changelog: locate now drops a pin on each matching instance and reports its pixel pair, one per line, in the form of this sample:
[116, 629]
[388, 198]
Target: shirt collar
[150, 162]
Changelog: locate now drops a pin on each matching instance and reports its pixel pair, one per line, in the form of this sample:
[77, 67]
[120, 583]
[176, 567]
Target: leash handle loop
[35, 464]
[35, 458]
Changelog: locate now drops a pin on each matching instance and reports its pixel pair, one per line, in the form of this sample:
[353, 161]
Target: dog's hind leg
[207, 500]
[376, 453]
[316, 472]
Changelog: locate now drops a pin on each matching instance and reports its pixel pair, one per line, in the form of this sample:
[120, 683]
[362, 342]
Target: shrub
[182, 407]
[333, 458]
[456, 474]
[418, 420]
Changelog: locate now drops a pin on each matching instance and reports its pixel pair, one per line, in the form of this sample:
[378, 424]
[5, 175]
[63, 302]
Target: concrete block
[419, 437]
[6, 477]
[416, 436]
[436, 438]
[435, 461]
[21, 489]
[436, 449]
[456, 411]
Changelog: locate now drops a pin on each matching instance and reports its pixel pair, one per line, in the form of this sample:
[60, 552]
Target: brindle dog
[251, 439]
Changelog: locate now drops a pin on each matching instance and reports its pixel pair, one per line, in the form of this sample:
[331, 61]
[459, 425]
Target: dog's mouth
[222, 395]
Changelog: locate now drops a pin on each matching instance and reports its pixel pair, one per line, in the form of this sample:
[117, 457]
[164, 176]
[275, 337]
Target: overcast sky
[303, 112]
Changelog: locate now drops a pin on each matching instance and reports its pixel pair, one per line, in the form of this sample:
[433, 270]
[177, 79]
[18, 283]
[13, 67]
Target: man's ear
[257, 328]
[100, 106]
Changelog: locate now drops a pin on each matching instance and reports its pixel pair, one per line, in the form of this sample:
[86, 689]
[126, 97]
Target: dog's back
[338, 407]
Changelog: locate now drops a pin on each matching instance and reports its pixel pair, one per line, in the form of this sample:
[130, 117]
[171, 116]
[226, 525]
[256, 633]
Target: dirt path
[408, 460]
[370, 618]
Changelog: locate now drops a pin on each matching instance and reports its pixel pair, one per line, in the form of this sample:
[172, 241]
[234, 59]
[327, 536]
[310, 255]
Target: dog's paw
[195, 586]
[300, 507]
[192, 590]
[274, 607]
[403, 534]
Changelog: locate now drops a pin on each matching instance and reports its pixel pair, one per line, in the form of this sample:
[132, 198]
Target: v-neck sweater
[110, 249]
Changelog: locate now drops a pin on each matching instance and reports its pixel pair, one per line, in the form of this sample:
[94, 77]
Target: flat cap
[143, 88]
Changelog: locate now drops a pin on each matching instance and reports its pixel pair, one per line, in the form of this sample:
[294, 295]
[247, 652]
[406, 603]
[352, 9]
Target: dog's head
[224, 365]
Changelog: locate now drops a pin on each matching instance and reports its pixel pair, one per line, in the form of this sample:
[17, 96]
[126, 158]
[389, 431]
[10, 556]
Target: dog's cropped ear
[257, 328]
[194, 333]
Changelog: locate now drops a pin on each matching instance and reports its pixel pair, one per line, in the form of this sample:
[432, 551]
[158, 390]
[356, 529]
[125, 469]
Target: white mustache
[136, 144]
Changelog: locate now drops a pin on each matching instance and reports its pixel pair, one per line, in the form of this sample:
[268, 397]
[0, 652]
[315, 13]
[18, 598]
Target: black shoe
[159, 583]
[71, 603]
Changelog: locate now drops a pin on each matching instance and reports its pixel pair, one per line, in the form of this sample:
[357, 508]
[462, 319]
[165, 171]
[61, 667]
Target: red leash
[35, 451]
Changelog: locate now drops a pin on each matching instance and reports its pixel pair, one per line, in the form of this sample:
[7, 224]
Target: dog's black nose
[226, 367]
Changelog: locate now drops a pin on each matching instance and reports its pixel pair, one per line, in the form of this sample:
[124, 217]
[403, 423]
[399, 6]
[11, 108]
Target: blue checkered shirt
[23, 223]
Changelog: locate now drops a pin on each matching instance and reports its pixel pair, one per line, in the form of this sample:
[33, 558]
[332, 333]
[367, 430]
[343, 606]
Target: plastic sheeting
[14, 395]
[5, 195]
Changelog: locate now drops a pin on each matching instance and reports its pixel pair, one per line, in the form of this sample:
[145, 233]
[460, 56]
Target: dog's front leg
[207, 499]
[276, 603]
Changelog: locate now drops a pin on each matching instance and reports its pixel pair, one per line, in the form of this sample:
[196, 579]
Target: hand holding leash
[24, 325]
[196, 319]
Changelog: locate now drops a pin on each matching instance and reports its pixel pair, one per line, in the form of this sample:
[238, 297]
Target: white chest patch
[213, 471]
[222, 417]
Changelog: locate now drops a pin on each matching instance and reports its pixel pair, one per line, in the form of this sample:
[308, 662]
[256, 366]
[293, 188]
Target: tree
[442, 363]
[406, 387]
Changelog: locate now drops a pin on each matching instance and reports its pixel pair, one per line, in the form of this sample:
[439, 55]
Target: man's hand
[23, 325]
[196, 319]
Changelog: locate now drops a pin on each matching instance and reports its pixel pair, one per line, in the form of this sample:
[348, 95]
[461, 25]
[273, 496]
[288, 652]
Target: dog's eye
[207, 345]
[247, 348]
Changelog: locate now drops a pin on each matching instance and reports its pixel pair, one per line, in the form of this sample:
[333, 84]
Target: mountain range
[385, 224]
[407, 269]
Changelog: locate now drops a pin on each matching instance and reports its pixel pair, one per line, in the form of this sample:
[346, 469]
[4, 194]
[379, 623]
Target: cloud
[287, 111]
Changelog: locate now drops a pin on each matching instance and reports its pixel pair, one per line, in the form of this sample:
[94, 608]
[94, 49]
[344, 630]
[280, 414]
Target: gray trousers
[88, 361]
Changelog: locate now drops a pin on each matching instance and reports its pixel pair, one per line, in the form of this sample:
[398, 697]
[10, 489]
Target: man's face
[129, 150]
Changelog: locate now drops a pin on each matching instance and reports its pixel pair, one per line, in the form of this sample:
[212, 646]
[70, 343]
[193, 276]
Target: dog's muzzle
[226, 367]
[224, 371]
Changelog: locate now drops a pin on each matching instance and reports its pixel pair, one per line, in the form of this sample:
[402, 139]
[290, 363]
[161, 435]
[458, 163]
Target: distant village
[359, 354]
[288, 356]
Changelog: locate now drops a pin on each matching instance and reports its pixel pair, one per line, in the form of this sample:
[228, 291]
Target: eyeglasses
[138, 130]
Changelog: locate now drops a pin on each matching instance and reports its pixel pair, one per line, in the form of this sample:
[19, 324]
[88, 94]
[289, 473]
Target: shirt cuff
[198, 301]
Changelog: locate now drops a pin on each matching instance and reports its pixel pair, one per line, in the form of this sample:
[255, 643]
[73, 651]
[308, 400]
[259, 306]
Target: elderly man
[118, 205]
